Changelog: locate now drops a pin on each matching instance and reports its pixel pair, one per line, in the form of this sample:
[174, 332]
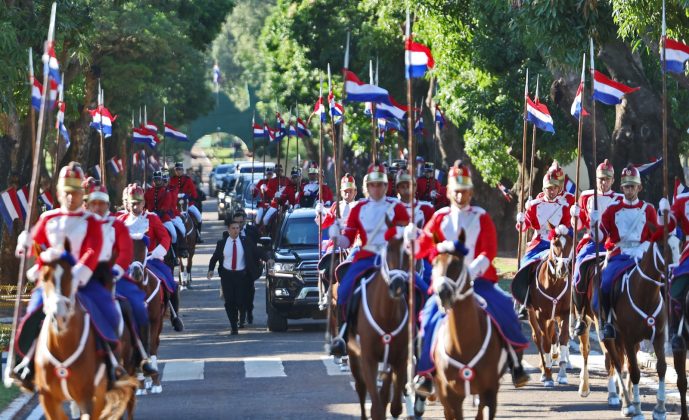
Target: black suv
[292, 281]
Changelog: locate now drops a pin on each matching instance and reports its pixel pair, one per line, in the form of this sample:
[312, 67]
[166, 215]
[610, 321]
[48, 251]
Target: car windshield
[249, 199]
[247, 169]
[299, 232]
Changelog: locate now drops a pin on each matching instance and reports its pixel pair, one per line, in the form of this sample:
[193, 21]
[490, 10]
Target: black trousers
[234, 291]
[249, 292]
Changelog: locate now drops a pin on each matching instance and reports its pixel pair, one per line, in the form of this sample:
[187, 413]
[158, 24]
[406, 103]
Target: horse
[549, 298]
[680, 357]
[155, 303]
[638, 314]
[191, 237]
[469, 351]
[66, 345]
[378, 349]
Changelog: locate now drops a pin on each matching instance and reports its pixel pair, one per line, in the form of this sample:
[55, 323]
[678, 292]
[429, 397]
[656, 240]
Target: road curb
[17, 406]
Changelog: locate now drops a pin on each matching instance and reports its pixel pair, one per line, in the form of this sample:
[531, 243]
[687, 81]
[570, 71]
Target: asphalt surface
[209, 374]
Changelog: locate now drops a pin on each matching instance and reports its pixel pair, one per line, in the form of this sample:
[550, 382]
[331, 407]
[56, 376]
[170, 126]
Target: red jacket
[287, 195]
[365, 221]
[172, 192]
[631, 223]
[326, 191]
[185, 185]
[424, 187]
[157, 234]
[160, 202]
[116, 241]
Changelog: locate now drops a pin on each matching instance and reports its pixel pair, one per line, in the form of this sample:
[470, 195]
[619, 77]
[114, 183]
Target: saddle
[522, 280]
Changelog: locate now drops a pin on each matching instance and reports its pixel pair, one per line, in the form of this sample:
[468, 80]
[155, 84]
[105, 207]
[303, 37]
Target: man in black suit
[247, 231]
[239, 266]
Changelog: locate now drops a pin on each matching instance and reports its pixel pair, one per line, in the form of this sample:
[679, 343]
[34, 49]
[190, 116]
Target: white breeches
[269, 215]
[259, 215]
[171, 229]
[195, 212]
[179, 224]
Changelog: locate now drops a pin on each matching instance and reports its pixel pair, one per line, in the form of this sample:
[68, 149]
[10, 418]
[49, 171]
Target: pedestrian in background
[250, 231]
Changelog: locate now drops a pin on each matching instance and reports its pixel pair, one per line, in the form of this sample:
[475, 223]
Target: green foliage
[489, 151]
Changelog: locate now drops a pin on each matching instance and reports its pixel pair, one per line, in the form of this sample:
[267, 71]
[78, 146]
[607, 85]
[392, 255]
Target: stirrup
[423, 385]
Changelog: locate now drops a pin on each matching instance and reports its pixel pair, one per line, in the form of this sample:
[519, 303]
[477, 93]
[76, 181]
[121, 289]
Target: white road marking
[15, 406]
[331, 367]
[183, 371]
[263, 367]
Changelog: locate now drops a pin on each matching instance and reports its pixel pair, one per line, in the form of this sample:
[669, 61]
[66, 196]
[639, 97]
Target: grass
[7, 395]
[507, 268]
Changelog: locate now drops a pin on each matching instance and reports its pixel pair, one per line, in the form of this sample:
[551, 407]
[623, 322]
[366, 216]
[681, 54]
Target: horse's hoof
[614, 402]
[549, 383]
[141, 391]
[419, 407]
[632, 412]
[562, 380]
[659, 415]
[156, 389]
[148, 383]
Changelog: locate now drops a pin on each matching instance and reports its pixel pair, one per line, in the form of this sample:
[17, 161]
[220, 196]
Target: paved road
[208, 374]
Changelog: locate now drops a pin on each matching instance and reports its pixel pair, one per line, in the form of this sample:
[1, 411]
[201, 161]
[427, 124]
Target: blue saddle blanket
[537, 253]
[163, 272]
[588, 252]
[126, 288]
[100, 304]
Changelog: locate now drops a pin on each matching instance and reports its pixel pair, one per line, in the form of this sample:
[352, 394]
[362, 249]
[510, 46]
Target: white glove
[158, 252]
[334, 230]
[521, 218]
[594, 217]
[319, 208]
[434, 194]
[307, 193]
[411, 232]
[117, 272]
[445, 246]
[278, 194]
[527, 205]
[81, 274]
[24, 241]
[478, 266]
[264, 188]
[32, 273]
[574, 211]
[664, 205]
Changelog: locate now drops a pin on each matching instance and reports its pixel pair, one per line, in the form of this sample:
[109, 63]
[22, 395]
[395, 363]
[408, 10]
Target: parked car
[258, 167]
[292, 280]
[218, 175]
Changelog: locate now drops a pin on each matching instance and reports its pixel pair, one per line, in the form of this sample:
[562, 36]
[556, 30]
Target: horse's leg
[489, 398]
[634, 409]
[536, 336]
[659, 410]
[680, 366]
[546, 344]
[359, 384]
[564, 350]
[369, 372]
[613, 395]
[51, 407]
[584, 388]
[453, 405]
[399, 378]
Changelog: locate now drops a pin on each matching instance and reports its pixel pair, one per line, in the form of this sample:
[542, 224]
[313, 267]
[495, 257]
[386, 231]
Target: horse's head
[450, 276]
[560, 255]
[394, 261]
[137, 268]
[58, 290]
[182, 203]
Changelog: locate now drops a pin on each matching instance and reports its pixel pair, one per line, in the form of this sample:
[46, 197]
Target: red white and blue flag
[302, 131]
[576, 105]
[439, 117]
[645, 168]
[97, 173]
[259, 131]
[368, 108]
[505, 192]
[391, 109]
[570, 186]
[36, 93]
[116, 165]
[139, 158]
[336, 109]
[144, 136]
[174, 133]
[23, 197]
[270, 132]
[47, 199]
[418, 127]
[292, 130]
[102, 120]
[417, 59]
[53, 65]
[358, 91]
[60, 122]
[319, 109]
[10, 209]
[608, 91]
[676, 53]
[280, 131]
[537, 113]
[149, 125]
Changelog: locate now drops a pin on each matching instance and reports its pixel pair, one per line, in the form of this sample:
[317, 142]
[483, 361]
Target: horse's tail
[118, 398]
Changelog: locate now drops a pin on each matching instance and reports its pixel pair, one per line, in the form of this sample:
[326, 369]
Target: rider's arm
[158, 231]
[486, 250]
[92, 244]
[124, 248]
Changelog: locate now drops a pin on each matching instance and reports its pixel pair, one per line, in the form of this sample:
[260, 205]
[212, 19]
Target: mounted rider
[629, 225]
[680, 274]
[439, 236]
[159, 201]
[71, 224]
[586, 249]
[430, 189]
[185, 185]
[559, 177]
[173, 211]
[367, 220]
[117, 242]
[260, 190]
[308, 193]
[143, 224]
[280, 193]
[544, 212]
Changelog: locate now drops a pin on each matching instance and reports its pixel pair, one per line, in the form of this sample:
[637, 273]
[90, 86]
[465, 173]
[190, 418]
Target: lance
[666, 192]
[572, 309]
[374, 153]
[101, 106]
[33, 195]
[56, 156]
[296, 107]
[523, 172]
[533, 146]
[145, 161]
[253, 150]
[33, 110]
[320, 191]
[410, 138]
[165, 140]
[596, 269]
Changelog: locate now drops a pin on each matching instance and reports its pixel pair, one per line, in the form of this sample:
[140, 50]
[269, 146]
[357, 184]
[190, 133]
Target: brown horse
[638, 314]
[68, 367]
[549, 303]
[680, 357]
[155, 304]
[378, 358]
[469, 353]
[190, 238]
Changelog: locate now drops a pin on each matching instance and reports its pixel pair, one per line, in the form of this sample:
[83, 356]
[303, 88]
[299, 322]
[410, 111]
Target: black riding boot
[176, 321]
[607, 330]
[581, 325]
[677, 340]
[519, 375]
[182, 250]
[146, 365]
[199, 239]
[115, 370]
[338, 345]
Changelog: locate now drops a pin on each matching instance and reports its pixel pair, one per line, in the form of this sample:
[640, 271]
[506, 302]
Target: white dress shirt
[227, 254]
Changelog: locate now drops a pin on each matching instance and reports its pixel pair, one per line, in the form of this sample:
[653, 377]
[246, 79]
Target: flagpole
[165, 139]
[596, 269]
[296, 108]
[410, 137]
[101, 105]
[253, 149]
[33, 110]
[666, 193]
[533, 146]
[523, 171]
[572, 308]
[33, 195]
[374, 153]
[61, 97]
[320, 197]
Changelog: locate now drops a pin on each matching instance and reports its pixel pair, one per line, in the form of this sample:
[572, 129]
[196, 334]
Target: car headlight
[283, 266]
[221, 195]
[228, 199]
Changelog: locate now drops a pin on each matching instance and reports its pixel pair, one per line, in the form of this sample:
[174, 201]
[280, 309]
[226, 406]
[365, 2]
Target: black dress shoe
[241, 325]
[250, 318]
[234, 332]
[580, 327]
